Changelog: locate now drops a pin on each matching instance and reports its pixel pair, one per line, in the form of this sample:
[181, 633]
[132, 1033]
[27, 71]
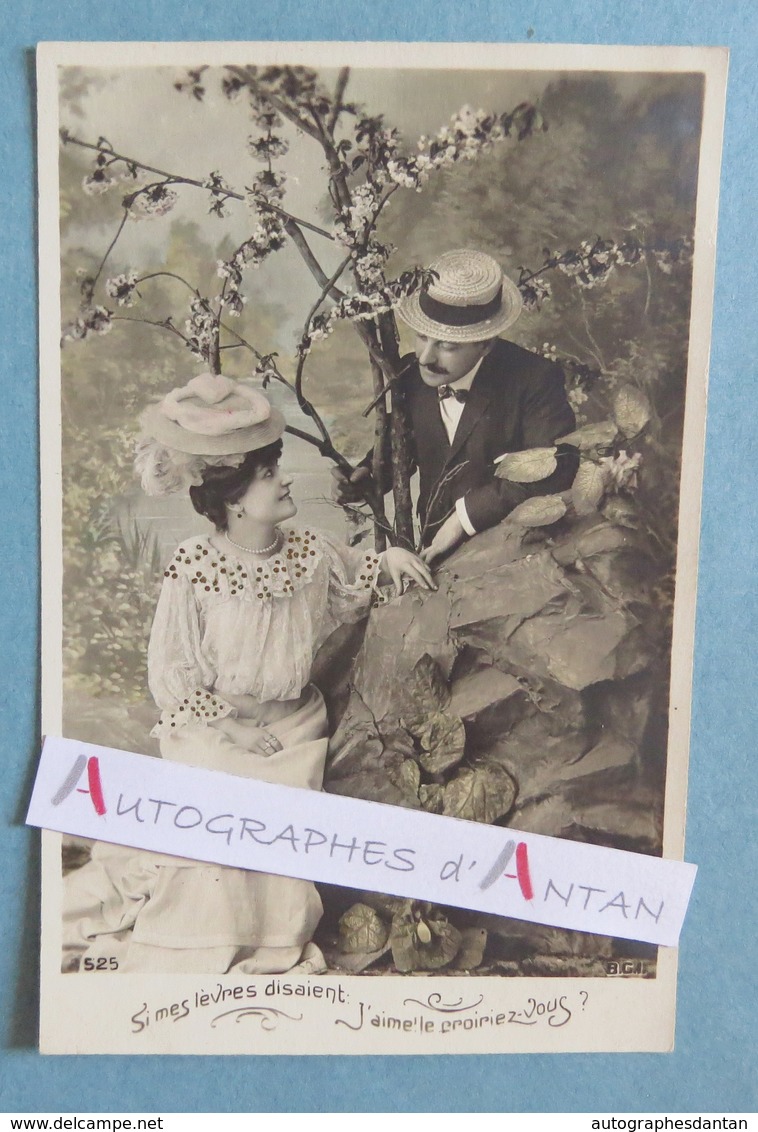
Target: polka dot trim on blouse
[370, 572]
[199, 706]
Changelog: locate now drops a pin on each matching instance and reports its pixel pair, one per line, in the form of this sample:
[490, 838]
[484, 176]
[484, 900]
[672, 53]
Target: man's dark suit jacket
[517, 401]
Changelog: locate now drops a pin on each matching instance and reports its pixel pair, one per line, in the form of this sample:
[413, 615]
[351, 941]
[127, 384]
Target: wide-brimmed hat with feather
[212, 420]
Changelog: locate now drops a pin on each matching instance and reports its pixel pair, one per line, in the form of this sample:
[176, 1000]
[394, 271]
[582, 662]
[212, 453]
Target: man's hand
[356, 489]
[401, 564]
[450, 534]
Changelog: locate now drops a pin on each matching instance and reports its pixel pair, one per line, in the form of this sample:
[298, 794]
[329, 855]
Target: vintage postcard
[373, 387]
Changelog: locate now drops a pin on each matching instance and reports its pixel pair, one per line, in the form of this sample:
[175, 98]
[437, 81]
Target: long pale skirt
[156, 913]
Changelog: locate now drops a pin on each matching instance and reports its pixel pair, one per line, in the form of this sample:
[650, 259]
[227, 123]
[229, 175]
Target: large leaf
[589, 436]
[423, 939]
[482, 793]
[361, 929]
[540, 511]
[432, 797]
[406, 777]
[588, 487]
[631, 410]
[353, 962]
[443, 740]
[444, 944]
[528, 466]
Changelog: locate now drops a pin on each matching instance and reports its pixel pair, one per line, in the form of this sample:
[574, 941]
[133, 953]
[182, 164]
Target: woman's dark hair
[223, 485]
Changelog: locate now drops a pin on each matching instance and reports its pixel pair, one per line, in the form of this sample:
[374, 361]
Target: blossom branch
[306, 335]
[160, 324]
[168, 275]
[293, 231]
[392, 189]
[288, 216]
[132, 163]
[592, 264]
[91, 284]
[325, 447]
[179, 179]
[272, 368]
[248, 78]
[326, 289]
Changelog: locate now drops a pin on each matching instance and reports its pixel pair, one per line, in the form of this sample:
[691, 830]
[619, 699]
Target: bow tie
[444, 391]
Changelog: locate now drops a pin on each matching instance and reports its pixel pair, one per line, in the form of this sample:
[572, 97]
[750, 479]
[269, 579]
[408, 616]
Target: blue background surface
[713, 1067]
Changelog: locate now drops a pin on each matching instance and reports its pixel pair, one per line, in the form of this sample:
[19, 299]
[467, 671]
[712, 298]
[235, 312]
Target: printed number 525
[101, 964]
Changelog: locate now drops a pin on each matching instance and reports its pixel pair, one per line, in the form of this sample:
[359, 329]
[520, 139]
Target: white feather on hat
[210, 421]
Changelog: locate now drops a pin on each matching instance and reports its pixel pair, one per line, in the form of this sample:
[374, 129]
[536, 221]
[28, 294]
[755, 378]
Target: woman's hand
[249, 736]
[400, 565]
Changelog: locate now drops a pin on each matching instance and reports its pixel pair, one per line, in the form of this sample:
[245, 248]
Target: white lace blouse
[227, 625]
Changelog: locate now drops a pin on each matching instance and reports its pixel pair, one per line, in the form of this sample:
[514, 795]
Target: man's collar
[467, 380]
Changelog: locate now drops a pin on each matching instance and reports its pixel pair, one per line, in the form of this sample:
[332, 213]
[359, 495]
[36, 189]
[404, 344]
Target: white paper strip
[134, 800]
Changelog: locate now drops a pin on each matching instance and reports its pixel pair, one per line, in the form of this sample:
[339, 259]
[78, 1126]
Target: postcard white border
[625, 1014]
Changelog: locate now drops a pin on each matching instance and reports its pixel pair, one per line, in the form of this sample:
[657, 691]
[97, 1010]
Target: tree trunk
[400, 438]
[214, 359]
[381, 425]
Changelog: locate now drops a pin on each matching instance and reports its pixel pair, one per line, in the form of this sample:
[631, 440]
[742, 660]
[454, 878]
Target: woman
[241, 615]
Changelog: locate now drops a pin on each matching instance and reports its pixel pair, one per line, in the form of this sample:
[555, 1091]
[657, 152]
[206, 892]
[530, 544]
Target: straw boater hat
[210, 421]
[470, 301]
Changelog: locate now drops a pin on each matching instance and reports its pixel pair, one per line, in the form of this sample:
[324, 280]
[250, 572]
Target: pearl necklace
[249, 549]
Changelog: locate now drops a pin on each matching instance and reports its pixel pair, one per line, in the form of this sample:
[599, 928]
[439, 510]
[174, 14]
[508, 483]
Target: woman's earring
[240, 513]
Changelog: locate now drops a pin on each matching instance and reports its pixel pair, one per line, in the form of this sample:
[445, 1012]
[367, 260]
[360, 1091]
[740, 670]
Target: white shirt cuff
[462, 513]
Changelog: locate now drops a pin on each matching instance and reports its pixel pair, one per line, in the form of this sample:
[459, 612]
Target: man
[472, 397]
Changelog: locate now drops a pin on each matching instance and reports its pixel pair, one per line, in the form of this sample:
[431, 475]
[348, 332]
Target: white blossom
[264, 116]
[267, 148]
[268, 236]
[96, 320]
[234, 303]
[623, 469]
[121, 288]
[152, 202]
[99, 320]
[97, 182]
[268, 185]
[201, 330]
